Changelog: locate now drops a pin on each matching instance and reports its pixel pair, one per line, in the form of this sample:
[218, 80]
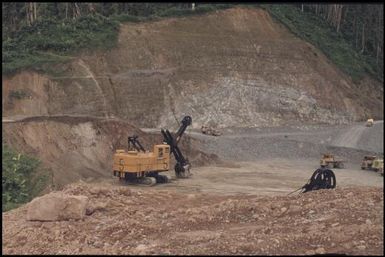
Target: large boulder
[57, 206]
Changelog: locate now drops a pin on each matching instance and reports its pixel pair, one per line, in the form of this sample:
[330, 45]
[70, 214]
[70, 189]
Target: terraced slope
[235, 67]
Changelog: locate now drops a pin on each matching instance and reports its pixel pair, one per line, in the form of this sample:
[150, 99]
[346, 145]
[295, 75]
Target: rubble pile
[136, 220]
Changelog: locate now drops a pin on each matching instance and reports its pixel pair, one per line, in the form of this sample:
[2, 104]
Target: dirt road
[267, 177]
[276, 161]
[354, 136]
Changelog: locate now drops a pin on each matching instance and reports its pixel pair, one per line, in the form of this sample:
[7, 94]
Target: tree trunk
[91, 8]
[379, 36]
[329, 13]
[378, 52]
[339, 15]
[29, 13]
[355, 29]
[75, 11]
[35, 11]
[363, 38]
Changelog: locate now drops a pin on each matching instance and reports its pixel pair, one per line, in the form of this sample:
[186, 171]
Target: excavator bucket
[182, 167]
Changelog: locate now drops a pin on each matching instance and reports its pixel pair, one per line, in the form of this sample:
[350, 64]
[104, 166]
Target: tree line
[18, 14]
[361, 24]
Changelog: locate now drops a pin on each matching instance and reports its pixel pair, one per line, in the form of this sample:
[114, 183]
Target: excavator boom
[182, 167]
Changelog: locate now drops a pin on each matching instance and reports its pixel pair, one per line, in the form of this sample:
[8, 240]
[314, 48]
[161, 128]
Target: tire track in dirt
[350, 137]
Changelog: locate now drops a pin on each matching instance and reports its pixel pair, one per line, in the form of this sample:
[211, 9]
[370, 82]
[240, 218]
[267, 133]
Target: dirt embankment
[74, 148]
[153, 221]
[189, 66]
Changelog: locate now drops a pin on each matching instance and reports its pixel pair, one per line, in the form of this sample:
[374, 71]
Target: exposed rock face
[253, 103]
[236, 67]
[56, 207]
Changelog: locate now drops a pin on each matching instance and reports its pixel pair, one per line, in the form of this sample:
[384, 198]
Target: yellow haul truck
[378, 165]
[372, 162]
[140, 166]
[330, 161]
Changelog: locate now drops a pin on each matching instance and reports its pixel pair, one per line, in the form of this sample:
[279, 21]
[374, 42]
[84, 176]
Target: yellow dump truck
[328, 160]
[367, 162]
[369, 122]
[378, 165]
[372, 162]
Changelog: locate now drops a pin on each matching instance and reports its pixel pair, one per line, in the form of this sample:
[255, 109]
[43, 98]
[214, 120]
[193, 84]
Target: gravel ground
[248, 144]
[152, 221]
[242, 208]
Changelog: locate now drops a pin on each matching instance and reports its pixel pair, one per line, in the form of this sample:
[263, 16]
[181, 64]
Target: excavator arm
[182, 167]
[133, 142]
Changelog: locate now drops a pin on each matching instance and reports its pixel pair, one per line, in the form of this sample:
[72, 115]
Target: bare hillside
[235, 67]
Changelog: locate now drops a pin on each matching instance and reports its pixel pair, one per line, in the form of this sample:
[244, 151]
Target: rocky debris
[210, 131]
[57, 206]
[153, 220]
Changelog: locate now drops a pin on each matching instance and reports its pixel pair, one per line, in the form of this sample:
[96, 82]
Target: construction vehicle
[381, 169]
[328, 160]
[367, 162]
[136, 165]
[210, 131]
[369, 122]
[372, 162]
[378, 166]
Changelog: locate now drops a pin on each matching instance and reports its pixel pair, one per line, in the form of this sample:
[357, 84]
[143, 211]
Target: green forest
[22, 178]
[37, 34]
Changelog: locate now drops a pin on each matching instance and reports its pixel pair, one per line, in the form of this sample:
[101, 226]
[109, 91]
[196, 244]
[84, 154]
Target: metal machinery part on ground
[140, 166]
[322, 178]
[328, 160]
[210, 131]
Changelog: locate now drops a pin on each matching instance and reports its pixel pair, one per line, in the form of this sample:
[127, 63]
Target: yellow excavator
[136, 165]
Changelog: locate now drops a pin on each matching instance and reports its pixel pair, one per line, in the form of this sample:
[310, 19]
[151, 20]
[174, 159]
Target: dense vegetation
[338, 34]
[42, 33]
[50, 40]
[38, 34]
[20, 179]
